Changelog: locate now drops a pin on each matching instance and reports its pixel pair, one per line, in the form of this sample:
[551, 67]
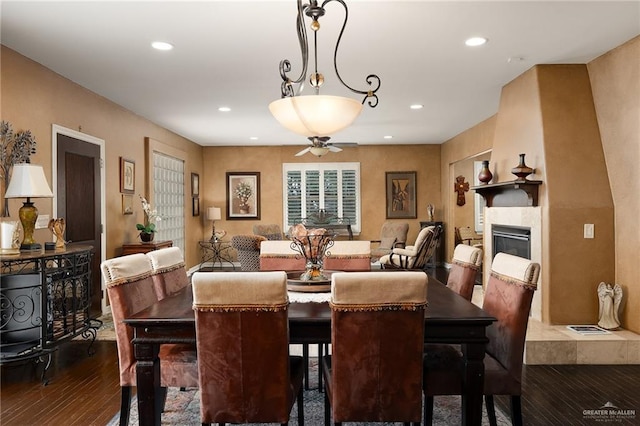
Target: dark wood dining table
[449, 318]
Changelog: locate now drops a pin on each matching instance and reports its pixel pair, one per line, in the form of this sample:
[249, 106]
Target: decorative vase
[314, 249]
[146, 237]
[522, 170]
[244, 208]
[485, 174]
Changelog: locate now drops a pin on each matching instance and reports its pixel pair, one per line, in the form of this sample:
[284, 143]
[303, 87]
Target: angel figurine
[610, 298]
[57, 227]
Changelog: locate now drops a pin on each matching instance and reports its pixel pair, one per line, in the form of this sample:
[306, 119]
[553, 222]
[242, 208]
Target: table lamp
[213, 214]
[28, 181]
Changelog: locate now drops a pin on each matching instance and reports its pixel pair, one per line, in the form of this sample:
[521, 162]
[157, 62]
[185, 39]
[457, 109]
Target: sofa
[349, 255]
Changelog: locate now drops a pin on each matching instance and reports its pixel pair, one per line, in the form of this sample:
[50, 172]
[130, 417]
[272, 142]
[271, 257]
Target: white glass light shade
[315, 115]
[28, 181]
[214, 213]
[319, 151]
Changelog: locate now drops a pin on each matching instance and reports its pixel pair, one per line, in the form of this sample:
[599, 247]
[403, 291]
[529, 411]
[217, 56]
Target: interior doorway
[79, 197]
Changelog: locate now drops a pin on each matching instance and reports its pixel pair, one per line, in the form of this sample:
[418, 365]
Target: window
[168, 194]
[309, 187]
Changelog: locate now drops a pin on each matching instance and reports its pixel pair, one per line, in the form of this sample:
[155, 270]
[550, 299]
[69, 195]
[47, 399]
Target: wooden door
[79, 202]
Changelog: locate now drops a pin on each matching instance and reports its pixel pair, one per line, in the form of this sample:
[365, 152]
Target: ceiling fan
[320, 146]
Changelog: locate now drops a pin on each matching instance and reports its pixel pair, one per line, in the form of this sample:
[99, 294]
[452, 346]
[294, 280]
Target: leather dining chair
[131, 289]
[374, 373]
[168, 271]
[242, 336]
[508, 297]
[464, 268]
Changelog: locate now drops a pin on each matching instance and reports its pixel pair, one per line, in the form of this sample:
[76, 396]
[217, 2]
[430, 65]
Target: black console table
[45, 300]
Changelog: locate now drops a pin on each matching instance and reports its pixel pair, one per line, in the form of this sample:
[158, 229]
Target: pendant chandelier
[318, 115]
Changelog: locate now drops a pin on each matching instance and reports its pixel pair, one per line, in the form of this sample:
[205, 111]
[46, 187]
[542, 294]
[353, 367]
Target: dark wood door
[78, 192]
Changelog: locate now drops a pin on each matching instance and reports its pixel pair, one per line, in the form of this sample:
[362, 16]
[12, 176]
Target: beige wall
[615, 82]
[34, 98]
[374, 162]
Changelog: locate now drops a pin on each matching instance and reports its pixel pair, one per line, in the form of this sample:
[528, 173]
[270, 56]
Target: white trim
[59, 130]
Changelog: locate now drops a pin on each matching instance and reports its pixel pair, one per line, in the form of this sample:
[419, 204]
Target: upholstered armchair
[270, 232]
[248, 249]
[508, 297]
[242, 336]
[392, 235]
[414, 256]
[377, 335]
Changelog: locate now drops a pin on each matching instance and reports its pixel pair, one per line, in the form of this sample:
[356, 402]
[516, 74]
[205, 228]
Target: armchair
[392, 235]
[248, 248]
[417, 255]
[270, 232]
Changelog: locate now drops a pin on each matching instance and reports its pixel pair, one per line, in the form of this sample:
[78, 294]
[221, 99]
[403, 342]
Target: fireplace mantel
[516, 193]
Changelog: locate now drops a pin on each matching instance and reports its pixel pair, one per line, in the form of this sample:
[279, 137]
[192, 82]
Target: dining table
[449, 318]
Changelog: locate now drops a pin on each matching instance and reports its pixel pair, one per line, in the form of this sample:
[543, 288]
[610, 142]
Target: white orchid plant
[151, 216]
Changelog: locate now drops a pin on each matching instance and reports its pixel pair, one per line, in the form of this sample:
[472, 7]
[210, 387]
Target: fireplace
[515, 240]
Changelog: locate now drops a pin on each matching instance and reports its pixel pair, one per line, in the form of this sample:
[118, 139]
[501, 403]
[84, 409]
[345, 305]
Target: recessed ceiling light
[162, 45]
[475, 41]
[416, 106]
[254, 138]
[224, 109]
[388, 137]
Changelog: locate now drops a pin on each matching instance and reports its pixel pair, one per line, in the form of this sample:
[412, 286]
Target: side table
[133, 248]
[215, 252]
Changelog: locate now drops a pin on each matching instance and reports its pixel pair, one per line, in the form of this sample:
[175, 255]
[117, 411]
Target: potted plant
[151, 216]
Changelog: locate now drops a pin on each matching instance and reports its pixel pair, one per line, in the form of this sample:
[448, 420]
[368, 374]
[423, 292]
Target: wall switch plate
[42, 222]
[588, 230]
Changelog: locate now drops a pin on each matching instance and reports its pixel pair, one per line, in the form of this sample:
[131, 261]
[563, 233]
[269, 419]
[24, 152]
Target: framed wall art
[127, 176]
[243, 195]
[195, 201]
[401, 195]
[127, 204]
[195, 185]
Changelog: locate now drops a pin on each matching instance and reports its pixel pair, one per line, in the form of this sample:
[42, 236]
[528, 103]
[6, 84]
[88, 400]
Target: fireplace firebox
[515, 240]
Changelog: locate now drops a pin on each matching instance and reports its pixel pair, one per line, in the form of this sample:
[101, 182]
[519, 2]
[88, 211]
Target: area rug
[183, 408]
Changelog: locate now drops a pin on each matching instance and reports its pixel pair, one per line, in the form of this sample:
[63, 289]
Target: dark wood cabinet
[145, 247]
[438, 258]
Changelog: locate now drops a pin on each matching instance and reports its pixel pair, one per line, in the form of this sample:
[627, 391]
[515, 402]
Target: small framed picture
[196, 206]
[401, 195]
[127, 204]
[195, 185]
[127, 176]
[243, 195]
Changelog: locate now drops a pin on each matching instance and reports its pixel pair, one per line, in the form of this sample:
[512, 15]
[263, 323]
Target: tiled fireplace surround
[555, 344]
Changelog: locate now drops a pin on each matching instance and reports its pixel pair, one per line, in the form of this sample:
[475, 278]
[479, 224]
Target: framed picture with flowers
[243, 195]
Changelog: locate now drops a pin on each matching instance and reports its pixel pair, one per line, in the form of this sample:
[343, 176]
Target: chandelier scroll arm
[285, 64]
[371, 78]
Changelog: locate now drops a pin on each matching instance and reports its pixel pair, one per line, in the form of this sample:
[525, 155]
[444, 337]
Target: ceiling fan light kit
[318, 116]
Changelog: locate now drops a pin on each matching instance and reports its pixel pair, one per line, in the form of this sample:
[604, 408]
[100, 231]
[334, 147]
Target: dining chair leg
[428, 410]
[491, 410]
[327, 410]
[301, 408]
[125, 405]
[305, 359]
[320, 355]
[516, 410]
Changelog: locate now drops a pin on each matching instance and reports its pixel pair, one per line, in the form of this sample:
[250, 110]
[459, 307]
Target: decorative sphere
[315, 25]
[316, 79]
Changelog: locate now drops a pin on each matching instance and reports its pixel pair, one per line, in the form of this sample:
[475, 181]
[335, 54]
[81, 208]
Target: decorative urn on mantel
[522, 170]
[485, 174]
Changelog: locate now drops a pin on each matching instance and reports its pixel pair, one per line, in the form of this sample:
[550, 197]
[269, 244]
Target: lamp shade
[213, 213]
[315, 115]
[28, 181]
[319, 151]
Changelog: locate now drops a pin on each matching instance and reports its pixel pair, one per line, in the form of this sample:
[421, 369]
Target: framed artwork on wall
[243, 195]
[401, 195]
[127, 204]
[196, 206]
[127, 176]
[195, 185]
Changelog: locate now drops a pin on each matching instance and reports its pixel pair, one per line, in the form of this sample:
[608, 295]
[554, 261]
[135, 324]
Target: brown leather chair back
[243, 346]
[168, 271]
[466, 264]
[508, 297]
[377, 333]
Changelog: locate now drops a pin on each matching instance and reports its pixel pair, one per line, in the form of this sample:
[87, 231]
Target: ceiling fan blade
[304, 151]
[334, 148]
[344, 144]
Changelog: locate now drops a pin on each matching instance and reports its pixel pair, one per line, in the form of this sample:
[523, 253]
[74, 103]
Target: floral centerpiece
[243, 191]
[151, 216]
[313, 244]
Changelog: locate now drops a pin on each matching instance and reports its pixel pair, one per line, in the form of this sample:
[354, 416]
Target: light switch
[588, 230]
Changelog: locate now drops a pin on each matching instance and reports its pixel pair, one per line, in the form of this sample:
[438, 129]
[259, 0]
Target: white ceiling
[227, 54]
